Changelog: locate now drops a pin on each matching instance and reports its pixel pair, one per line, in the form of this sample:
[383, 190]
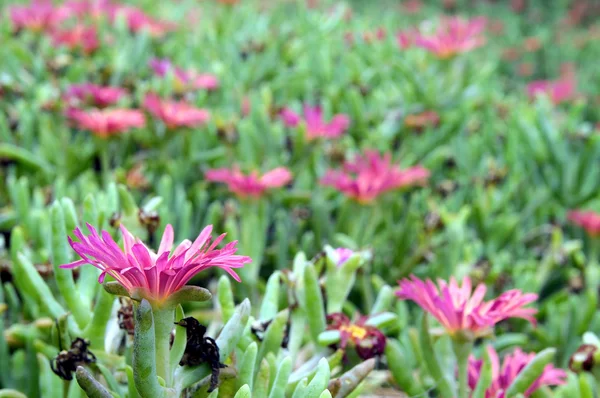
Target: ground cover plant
[299, 199]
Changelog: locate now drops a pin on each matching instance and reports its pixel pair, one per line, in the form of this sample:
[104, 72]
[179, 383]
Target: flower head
[88, 93]
[156, 274]
[368, 341]
[138, 21]
[369, 175]
[80, 36]
[454, 36]
[107, 122]
[40, 15]
[558, 91]
[93, 8]
[316, 126]
[512, 365]
[343, 254]
[588, 220]
[184, 79]
[251, 185]
[461, 310]
[175, 113]
[406, 38]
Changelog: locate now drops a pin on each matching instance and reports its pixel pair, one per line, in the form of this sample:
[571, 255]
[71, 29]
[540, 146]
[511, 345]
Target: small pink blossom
[138, 21]
[91, 8]
[88, 93]
[107, 122]
[588, 220]
[157, 274]
[368, 176]
[316, 126]
[40, 15]
[454, 36]
[175, 113]
[80, 36]
[343, 254]
[559, 90]
[406, 38]
[185, 79]
[461, 310]
[250, 185]
[512, 365]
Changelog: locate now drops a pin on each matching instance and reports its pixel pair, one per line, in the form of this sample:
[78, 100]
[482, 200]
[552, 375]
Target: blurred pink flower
[184, 79]
[175, 113]
[512, 365]
[251, 185]
[454, 36]
[461, 310]
[79, 36]
[159, 274]
[406, 38]
[92, 94]
[559, 90]
[588, 220]
[91, 8]
[343, 254]
[368, 176]
[39, 15]
[106, 122]
[138, 21]
[316, 126]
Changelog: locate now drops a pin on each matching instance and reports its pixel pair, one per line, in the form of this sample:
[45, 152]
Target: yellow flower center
[355, 332]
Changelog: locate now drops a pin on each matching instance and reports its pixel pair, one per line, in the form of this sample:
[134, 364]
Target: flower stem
[462, 349]
[164, 319]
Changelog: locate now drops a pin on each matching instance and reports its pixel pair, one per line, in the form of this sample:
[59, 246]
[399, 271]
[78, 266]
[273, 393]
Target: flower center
[355, 332]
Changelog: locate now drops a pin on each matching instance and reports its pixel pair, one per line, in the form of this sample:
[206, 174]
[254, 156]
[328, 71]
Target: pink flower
[588, 220]
[158, 274]
[88, 93]
[175, 113]
[184, 79]
[406, 38]
[107, 122]
[512, 365]
[80, 36]
[369, 175]
[343, 254]
[559, 90]
[315, 124]
[251, 185]
[454, 36]
[93, 8]
[40, 15]
[368, 341]
[137, 21]
[459, 309]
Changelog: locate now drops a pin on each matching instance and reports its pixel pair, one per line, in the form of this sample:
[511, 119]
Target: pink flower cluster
[512, 365]
[106, 122]
[175, 113]
[368, 176]
[461, 310]
[316, 126]
[250, 185]
[588, 220]
[184, 79]
[158, 274]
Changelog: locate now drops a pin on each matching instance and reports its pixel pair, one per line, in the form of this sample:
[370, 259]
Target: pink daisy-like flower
[512, 365]
[251, 185]
[316, 126]
[175, 113]
[80, 36]
[454, 36]
[588, 220]
[461, 310]
[138, 21]
[89, 93]
[40, 15]
[343, 254]
[368, 176]
[159, 274]
[107, 122]
[558, 91]
[184, 79]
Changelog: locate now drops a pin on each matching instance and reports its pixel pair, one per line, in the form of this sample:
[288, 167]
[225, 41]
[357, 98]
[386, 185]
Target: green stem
[462, 349]
[164, 319]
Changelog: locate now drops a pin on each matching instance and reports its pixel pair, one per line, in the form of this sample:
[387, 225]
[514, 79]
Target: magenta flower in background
[107, 122]
[184, 79]
[175, 113]
[512, 365]
[79, 36]
[138, 21]
[454, 36]
[406, 38]
[368, 176]
[91, 8]
[368, 341]
[251, 185]
[92, 94]
[39, 15]
[316, 126]
[461, 310]
[159, 274]
[558, 91]
[588, 220]
[343, 254]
